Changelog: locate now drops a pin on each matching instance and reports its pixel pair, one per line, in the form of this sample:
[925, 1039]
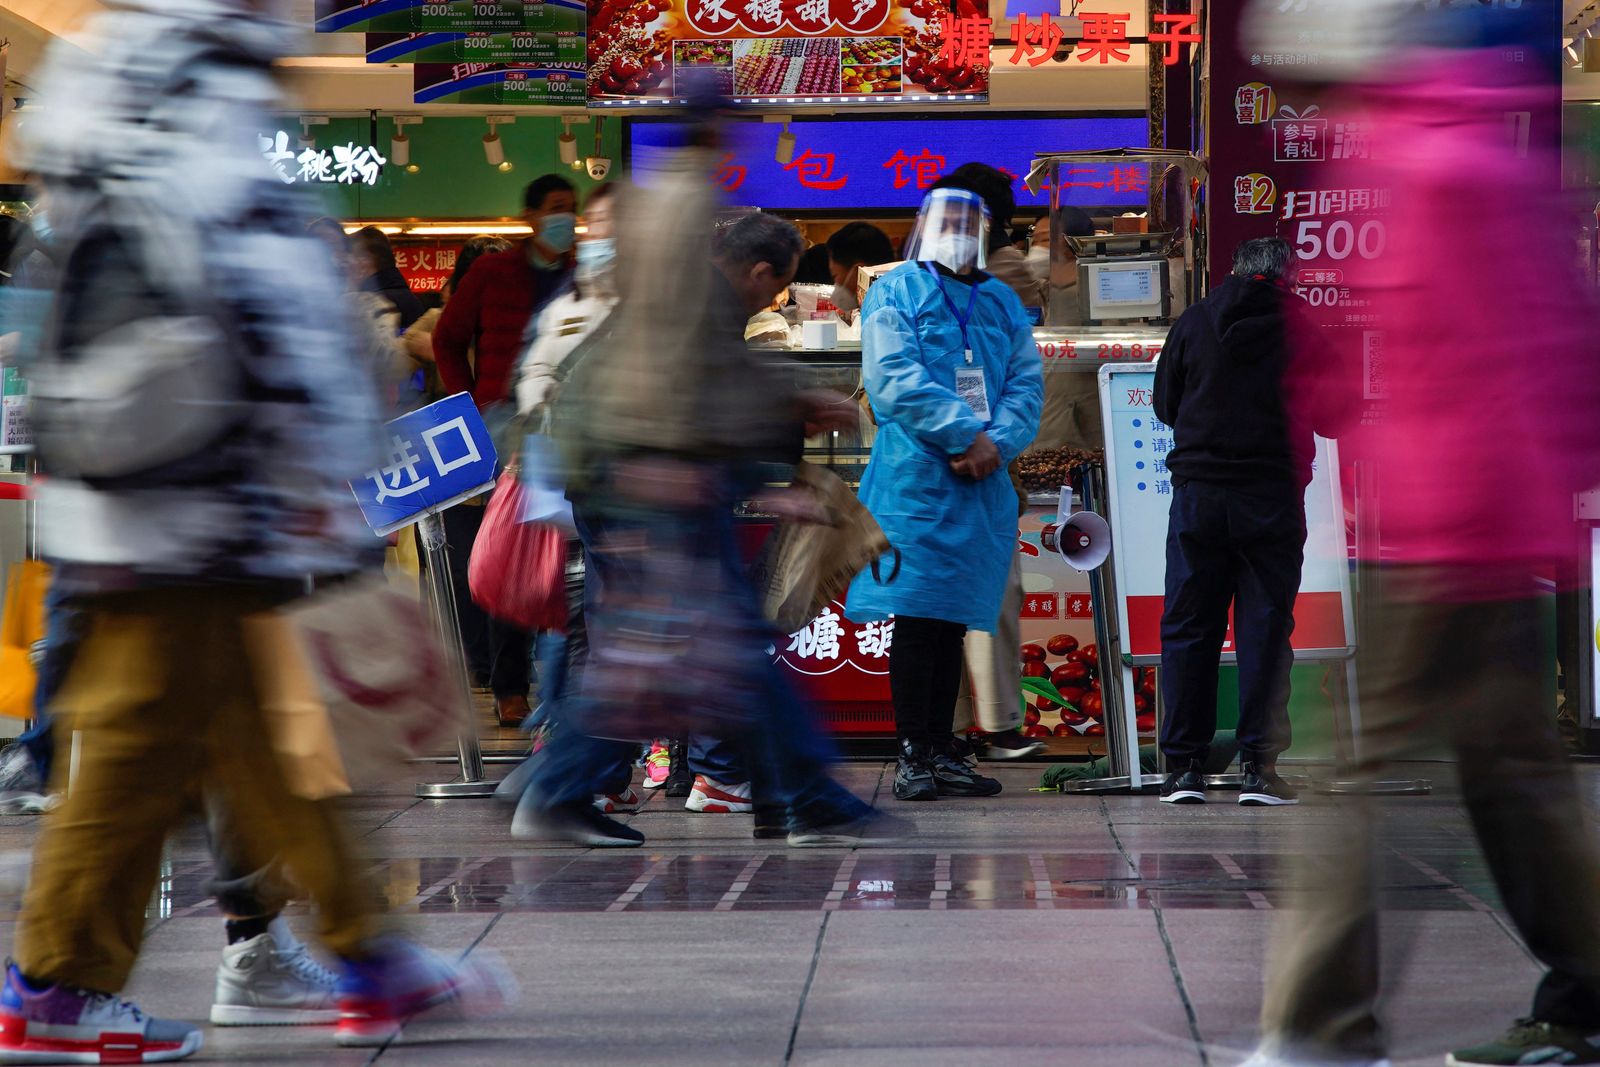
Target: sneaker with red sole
[715, 798]
[626, 802]
[60, 1024]
[657, 765]
[402, 981]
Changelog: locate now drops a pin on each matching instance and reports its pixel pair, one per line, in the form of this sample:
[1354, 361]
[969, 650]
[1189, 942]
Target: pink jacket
[1493, 414]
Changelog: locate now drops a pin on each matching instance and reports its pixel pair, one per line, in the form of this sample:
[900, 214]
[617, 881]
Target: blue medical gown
[956, 536]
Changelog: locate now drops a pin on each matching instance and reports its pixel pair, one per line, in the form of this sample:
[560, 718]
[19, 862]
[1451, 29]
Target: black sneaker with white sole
[856, 830]
[913, 774]
[578, 823]
[1186, 786]
[1010, 744]
[954, 777]
[1262, 788]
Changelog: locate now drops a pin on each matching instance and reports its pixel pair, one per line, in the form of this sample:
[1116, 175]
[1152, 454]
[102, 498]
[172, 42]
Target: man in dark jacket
[1244, 391]
[382, 275]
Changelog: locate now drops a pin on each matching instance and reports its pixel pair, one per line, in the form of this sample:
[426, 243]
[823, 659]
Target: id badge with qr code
[970, 388]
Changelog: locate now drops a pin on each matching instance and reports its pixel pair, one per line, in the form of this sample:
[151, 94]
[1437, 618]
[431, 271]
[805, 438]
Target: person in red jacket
[476, 344]
[480, 334]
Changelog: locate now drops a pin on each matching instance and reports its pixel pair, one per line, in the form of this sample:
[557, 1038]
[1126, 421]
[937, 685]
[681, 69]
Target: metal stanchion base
[456, 790]
[491, 757]
[1399, 787]
[1109, 786]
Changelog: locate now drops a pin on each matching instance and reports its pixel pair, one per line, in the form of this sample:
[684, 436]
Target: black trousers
[925, 665]
[1227, 547]
[497, 652]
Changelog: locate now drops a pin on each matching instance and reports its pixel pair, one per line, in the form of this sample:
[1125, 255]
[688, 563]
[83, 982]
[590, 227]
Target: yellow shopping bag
[21, 626]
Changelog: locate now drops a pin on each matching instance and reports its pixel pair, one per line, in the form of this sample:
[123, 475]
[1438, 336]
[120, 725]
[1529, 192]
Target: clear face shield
[953, 229]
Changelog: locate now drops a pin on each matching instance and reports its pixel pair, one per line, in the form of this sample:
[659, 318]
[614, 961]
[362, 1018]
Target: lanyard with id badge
[969, 379]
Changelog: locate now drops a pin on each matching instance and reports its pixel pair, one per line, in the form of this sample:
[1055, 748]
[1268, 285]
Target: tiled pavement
[1030, 928]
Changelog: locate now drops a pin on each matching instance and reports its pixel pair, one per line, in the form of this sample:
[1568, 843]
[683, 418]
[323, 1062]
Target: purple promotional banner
[865, 164]
[1288, 147]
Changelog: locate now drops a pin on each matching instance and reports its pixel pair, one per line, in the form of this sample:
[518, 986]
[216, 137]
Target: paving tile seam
[1189, 1010]
[805, 990]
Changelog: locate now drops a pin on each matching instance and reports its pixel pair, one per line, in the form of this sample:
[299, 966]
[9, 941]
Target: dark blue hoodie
[1243, 401]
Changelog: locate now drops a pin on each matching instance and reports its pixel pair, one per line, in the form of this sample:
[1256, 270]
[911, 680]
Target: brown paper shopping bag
[805, 566]
[367, 658]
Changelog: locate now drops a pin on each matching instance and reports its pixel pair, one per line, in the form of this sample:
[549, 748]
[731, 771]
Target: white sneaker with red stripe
[60, 1024]
[624, 803]
[657, 765]
[715, 798]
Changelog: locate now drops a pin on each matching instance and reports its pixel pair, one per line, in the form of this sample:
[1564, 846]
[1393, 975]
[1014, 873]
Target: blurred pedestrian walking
[192, 502]
[1478, 457]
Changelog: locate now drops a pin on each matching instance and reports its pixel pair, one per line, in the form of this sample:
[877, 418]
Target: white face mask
[958, 251]
[844, 298]
[1039, 261]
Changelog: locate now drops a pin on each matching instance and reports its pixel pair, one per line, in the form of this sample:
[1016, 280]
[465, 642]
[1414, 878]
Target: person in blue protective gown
[955, 384]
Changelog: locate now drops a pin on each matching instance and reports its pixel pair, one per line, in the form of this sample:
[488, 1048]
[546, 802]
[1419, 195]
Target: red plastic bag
[517, 572]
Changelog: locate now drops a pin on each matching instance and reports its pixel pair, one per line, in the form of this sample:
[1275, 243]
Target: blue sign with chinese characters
[859, 164]
[436, 457]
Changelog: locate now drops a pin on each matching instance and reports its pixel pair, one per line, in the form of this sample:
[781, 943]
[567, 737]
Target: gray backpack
[161, 382]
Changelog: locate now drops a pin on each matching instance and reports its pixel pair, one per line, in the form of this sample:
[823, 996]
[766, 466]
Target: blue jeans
[63, 634]
[787, 752]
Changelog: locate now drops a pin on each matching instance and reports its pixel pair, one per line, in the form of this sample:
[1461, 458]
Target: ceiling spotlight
[567, 143]
[400, 144]
[307, 122]
[507, 167]
[494, 149]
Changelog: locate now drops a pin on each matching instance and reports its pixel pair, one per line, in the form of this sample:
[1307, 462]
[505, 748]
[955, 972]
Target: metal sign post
[1116, 678]
[442, 599]
[438, 456]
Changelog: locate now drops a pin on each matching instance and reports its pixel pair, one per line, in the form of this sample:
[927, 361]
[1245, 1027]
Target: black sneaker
[913, 775]
[1263, 788]
[954, 777]
[680, 780]
[1532, 1041]
[871, 827]
[772, 821]
[1010, 744]
[579, 823]
[1187, 786]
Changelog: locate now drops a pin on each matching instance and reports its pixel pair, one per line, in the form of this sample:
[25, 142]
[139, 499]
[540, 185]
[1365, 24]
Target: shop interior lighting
[786, 140]
[494, 149]
[496, 229]
[307, 124]
[400, 144]
[567, 143]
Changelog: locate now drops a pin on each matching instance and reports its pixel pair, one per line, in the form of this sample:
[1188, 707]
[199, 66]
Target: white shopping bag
[544, 484]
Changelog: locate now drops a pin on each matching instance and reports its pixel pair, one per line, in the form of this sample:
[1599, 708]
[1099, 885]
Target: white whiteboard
[1140, 491]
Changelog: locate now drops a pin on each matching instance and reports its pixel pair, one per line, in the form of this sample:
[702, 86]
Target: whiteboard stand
[1138, 517]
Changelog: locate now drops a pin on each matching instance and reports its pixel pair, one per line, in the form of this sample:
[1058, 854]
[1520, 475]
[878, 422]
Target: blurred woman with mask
[565, 323]
[955, 383]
